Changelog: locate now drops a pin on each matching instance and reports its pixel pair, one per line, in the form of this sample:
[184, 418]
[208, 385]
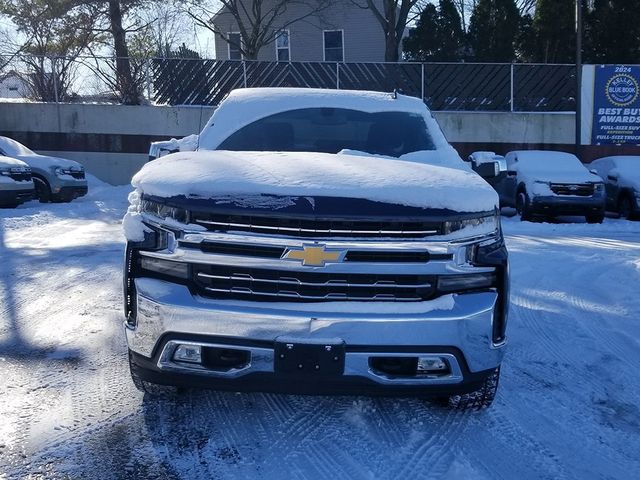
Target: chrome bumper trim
[461, 321]
[356, 364]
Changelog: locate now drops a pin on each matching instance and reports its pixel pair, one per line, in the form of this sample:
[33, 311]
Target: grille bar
[298, 296]
[329, 283]
[328, 231]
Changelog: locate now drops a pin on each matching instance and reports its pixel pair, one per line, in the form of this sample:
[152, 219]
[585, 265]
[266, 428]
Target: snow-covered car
[621, 175]
[321, 242]
[55, 179]
[16, 185]
[549, 183]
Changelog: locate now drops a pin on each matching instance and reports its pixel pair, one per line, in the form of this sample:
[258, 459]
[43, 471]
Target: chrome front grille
[220, 281]
[352, 255]
[305, 227]
[578, 189]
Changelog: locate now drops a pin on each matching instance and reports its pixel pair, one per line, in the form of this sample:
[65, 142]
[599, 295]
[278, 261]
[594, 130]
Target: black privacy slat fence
[443, 86]
[492, 87]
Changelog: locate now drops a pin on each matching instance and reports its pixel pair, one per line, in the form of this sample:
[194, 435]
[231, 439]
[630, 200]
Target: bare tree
[54, 35]
[258, 21]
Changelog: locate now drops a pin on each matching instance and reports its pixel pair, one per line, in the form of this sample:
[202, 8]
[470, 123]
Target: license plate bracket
[317, 359]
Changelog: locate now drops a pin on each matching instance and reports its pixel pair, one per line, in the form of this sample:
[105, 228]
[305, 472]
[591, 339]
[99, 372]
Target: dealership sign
[616, 105]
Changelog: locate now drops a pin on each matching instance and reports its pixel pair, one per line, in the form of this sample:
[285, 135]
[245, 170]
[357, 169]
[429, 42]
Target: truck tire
[43, 191]
[625, 207]
[522, 206]
[478, 399]
[152, 389]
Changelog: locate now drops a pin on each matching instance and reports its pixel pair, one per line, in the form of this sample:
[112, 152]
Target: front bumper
[455, 327]
[16, 197]
[68, 193]
[567, 205]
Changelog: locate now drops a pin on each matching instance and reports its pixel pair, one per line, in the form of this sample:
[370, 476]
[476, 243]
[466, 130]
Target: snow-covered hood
[8, 162]
[46, 162]
[218, 174]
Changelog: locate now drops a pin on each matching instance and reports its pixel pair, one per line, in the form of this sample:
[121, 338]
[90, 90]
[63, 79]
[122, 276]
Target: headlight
[484, 224]
[163, 211]
[165, 267]
[456, 283]
[5, 171]
[599, 188]
[59, 171]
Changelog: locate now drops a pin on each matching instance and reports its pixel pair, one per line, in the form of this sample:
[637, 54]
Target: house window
[333, 46]
[283, 46]
[233, 42]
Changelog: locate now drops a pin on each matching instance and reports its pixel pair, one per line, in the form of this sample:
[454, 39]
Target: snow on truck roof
[246, 105]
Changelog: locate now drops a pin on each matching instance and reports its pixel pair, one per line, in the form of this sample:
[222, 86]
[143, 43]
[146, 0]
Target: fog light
[188, 353]
[431, 364]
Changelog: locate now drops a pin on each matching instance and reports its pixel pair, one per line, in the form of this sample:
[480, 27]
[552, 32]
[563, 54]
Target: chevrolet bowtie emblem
[314, 255]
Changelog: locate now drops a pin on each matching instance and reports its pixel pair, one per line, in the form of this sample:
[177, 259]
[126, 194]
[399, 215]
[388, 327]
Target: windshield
[546, 162]
[12, 148]
[330, 130]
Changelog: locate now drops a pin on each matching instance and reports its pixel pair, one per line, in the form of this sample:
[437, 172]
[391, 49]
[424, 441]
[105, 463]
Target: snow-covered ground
[567, 405]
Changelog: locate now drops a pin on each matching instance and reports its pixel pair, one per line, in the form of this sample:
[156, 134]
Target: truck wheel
[598, 218]
[153, 389]
[522, 206]
[625, 208]
[481, 398]
[43, 191]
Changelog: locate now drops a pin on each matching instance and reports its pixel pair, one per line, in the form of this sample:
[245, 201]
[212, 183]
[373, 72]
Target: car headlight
[484, 224]
[165, 267]
[163, 211]
[5, 171]
[598, 188]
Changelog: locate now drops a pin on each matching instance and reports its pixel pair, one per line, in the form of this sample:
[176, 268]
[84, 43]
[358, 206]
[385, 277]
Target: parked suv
[621, 175]
[16, 186]
[317, 242]
[546, 183]
[56, 179]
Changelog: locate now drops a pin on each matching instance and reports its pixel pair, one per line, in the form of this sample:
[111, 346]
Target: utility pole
[578, 77]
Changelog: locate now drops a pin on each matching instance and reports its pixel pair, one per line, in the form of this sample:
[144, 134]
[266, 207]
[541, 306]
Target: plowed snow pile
[567, 405]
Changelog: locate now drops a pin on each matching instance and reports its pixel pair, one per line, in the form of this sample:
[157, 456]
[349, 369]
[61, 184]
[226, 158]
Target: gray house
[342, 32]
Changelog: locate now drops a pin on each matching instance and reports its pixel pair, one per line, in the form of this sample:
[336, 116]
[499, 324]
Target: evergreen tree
[493, 30]
[438, 36]
[613, 32]
[450, 33]
[554, 28]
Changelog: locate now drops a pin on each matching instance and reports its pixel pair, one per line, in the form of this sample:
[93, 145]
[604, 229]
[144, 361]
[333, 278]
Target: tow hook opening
[213, 358]
[402, 367]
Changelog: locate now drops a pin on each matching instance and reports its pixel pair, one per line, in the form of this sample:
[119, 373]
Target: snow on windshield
[548, 161]
[245, 106]
[10, 147]
[210, 174]
[628, 166]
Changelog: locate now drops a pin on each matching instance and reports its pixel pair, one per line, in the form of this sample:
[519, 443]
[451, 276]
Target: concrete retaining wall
[112, 141]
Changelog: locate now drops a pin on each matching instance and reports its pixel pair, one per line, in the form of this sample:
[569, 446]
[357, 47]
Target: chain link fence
[188, 81]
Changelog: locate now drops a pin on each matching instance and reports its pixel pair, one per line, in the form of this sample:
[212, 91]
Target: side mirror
[488, 169]
[511, 173]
